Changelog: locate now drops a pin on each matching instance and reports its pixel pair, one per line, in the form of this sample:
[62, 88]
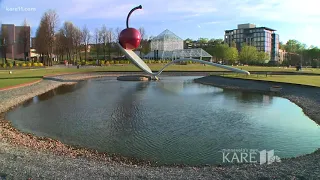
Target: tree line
[299, 53]
[296, 52]
[230, 54]
[72, 43]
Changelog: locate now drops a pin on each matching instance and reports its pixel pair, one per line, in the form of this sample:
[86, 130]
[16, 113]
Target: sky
[293, 19]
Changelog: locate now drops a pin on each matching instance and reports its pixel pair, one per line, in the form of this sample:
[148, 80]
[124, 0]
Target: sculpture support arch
[144, 67]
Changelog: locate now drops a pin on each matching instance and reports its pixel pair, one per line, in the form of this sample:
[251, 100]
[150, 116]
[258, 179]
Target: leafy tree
[220, 51]
[294, 46]
[203, 40]
[211, 41]
[233, 44]
[248, 54]
[218, 41]
[262, 57]
[282, 46]
[231, 55]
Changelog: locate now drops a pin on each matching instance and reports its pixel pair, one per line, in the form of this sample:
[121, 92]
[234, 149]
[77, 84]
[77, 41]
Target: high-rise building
[16, 41]
[33, 43]
[263, 38]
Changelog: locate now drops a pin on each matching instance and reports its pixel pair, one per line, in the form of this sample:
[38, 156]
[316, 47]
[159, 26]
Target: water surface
[170, 121]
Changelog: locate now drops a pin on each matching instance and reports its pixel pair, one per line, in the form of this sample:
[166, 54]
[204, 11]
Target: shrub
[17, 64]
[10, 65]
[88, 63]
[29, 64]
[24, 65]
[3, 65]
[40, 64]
[35, 64]
[111, 62]
[122, 61]
[152, 61]
[117, 62]
[83, 62]
[102, 62]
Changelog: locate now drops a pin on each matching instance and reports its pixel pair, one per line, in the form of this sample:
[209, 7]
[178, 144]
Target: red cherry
[130, 38]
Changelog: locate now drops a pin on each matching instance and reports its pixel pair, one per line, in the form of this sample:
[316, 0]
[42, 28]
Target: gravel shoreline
[24, 156]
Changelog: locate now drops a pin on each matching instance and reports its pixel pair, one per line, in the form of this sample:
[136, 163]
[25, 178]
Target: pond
[170, 121]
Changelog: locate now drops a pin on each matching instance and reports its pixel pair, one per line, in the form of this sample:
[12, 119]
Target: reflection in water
[170, 121]
[126, 111]
[248, 97]
[58, 91]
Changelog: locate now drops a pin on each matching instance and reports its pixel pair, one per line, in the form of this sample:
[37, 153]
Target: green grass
[295, 79]
[20, 76]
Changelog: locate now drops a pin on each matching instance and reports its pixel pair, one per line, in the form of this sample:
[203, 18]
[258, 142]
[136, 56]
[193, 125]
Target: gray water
[170, 121]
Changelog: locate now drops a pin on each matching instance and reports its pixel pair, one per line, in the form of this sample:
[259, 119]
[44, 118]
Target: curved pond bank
[307, 97]
[24, 156]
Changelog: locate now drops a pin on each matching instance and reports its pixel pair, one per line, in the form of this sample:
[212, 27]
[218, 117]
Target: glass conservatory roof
[167, 35]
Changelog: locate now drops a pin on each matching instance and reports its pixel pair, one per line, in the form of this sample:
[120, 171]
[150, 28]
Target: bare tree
[67, 38]
[142, 32]
[104, 36]
[86, 36]
[53, 23]
[42, 39]
[60, 44]
[77, 42]
[97, 40]
[110, 40]
[24, 36]
[144, 44]
[117, 37]
[46, 35]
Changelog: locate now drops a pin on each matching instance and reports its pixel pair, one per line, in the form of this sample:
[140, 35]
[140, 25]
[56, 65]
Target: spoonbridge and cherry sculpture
[130, 39]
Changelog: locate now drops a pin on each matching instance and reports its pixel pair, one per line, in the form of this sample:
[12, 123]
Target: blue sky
[293, 19]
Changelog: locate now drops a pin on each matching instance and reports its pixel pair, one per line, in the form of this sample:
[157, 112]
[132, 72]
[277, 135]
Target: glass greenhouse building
[168, 46]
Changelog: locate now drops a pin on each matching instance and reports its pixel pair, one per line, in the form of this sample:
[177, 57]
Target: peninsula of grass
[20, 76]
[294, 79]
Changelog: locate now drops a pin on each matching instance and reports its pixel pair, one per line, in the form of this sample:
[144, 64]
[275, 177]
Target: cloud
[178, 13]
[294, 11]
[213, 22]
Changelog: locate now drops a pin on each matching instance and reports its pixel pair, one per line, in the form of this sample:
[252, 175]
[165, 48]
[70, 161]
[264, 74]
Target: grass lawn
[20, 76]
[296, 79]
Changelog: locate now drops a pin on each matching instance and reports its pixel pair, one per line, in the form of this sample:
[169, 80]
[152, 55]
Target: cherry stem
[138, 7]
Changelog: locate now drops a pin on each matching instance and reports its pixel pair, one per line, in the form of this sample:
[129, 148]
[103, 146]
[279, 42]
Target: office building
[16, 41]
[263, 38]
[33, 43]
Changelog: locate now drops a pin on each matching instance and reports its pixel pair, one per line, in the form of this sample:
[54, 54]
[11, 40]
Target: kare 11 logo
[249, 156]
